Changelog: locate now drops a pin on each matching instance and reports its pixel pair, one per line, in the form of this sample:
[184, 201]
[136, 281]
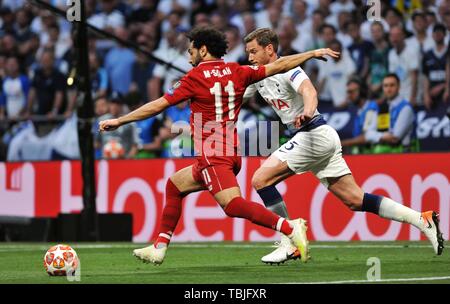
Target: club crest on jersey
[296, 73]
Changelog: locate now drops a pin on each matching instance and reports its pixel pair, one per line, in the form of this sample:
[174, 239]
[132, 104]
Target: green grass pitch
[233, 263]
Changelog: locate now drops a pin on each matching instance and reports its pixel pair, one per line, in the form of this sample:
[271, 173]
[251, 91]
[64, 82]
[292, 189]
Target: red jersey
[216, 90]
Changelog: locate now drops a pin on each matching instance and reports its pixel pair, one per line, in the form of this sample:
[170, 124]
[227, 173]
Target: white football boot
[151, 254]
[285, 251]
[431, 230]
[298, 238]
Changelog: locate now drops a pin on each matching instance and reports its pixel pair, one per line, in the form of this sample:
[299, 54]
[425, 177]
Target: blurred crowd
[37, 51]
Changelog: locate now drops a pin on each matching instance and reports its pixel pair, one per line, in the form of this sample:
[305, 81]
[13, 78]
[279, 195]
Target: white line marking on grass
[5, 248]
[379, 281]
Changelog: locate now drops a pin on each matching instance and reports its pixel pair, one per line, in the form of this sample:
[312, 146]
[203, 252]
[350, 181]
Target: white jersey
[281, 92]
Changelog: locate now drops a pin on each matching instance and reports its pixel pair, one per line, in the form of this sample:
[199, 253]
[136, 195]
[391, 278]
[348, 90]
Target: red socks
[239, 207]
[171, 213]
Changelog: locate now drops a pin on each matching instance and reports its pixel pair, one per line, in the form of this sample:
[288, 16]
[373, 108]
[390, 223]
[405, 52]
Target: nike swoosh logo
[429, 224]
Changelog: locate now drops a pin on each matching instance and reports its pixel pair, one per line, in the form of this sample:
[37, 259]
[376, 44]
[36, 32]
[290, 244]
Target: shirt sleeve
[295, 77]
[413, 64]
[404, 123]
[180, 91]
[250, 91]
[252, 73]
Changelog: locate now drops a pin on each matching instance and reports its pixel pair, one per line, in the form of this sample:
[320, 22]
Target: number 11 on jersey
[216, 90]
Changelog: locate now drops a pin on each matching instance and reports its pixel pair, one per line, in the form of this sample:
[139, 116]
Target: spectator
[318, 20]
[342, 6]
[342, 34]
[142, 73]
[98, 77]
[297, 41]
[163, 76]
[241, 8]
[365, 120]
[22, 29]
[285, 38]
[201, 19]
[327, 34]
[167, 6]
[235, 45]
[333, 76]
[14, 93]
[118, 64]
[378, 60]
[109, 18]
[431, 20]
[149, 145]
[98, 80]
[393, 17]
[127, 136]
[13, 4]
[420, 40]
[434, 63]
[249, 23]
[101, 107]
[401, 63]
[174, 20]
[176, 133]
[400, 136]
[218, 21]
[303, 22]
[144, 12]
[7, 18]
[57, 41]
[360, 50]
[9, 45]
[46, 95]
[29, 51]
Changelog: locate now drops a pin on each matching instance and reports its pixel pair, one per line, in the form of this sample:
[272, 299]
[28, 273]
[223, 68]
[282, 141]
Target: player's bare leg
[348, 191]
[178, 186]
[271, 172]
[235, 206]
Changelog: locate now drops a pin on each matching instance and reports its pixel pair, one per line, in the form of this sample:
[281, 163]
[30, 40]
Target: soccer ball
[61, 260]
[113, 149]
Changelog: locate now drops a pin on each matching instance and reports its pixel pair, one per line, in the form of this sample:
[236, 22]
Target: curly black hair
[214, 40]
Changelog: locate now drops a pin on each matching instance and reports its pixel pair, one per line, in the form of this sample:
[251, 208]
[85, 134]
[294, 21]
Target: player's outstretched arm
[287, 63]
[149, 109]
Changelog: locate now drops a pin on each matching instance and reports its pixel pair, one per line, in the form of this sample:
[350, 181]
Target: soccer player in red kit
[215, 89]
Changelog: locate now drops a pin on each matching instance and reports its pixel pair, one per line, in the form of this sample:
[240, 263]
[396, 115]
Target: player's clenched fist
[108, 125]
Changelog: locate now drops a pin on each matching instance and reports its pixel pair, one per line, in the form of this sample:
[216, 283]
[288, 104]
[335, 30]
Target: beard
[197, 59]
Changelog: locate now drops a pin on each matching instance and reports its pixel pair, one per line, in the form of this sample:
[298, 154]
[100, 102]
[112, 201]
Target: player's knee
[171, 189]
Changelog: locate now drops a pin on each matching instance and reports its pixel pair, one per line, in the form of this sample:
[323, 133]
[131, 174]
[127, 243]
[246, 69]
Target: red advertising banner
[44, 189]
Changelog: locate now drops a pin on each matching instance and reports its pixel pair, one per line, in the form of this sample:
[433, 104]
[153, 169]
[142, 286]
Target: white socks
[397, 212]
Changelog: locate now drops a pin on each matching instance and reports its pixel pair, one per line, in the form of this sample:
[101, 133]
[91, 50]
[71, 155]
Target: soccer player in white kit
[314, 147]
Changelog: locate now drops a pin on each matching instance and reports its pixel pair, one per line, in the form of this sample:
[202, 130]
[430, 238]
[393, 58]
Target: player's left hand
[301, 119]
[321, 53]
[108, 125]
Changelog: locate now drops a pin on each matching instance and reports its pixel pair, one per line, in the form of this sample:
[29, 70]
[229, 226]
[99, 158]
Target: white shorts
[318, 151]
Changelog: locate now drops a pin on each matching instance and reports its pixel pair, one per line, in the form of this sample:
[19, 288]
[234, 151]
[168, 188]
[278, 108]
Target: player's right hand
[108, 125]
[321, 53]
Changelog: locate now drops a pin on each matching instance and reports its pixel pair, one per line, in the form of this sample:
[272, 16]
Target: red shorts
[217, 173]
